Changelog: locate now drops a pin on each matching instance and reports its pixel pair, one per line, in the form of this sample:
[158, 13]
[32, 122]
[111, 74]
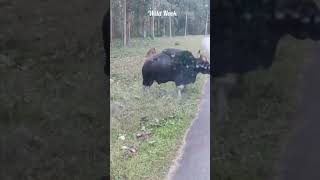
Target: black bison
[175, 65]
[247, 34]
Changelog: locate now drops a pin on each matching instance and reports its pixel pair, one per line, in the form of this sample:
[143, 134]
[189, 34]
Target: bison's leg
[146, 84]
[180, 88]
[146, 88]
[147, 81]
[180, 84]
[185, 88]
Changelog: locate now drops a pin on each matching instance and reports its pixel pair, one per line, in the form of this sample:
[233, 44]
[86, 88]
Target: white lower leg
[180, 88]
[185, 88]
[146, 88]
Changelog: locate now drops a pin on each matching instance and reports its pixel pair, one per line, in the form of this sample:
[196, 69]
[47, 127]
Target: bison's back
[160, 68]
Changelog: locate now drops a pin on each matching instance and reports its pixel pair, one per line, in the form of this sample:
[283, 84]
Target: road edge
[176, 162]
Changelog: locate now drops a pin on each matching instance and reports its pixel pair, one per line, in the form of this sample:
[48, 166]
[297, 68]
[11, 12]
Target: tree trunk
[186, 25]
[144, 24]
[149, 32]
[111, 26]
[144, 28]
[152, 19]
[206, 30]
[158, 27]
[129, 27]
[155, 27]
[169, 26]
[164, 28]
[124, 23]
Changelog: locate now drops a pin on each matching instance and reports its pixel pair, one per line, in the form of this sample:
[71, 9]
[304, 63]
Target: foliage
[197, 11]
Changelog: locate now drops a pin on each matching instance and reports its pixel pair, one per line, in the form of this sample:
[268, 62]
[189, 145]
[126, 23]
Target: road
[301, 156]
[194, 160]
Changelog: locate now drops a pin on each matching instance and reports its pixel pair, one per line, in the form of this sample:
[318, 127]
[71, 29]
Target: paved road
[195, 160]
[302, 153]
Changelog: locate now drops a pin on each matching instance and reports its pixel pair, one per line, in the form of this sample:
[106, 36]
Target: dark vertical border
[211, 25]
[106, 42]
[106, 60]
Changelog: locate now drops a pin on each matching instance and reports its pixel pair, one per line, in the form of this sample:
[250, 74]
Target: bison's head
[202, 65]
[300, 19]
[202, 55]
[151, 52]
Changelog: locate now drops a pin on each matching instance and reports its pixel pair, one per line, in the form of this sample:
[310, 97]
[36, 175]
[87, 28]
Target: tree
[187, 9]
[163, 5]
[130, 19]
[111, 27]
[164, 27]
[170, 26]
[124, 23]
[193, 18]
[206, 26]
[186, 25]
[152, 19]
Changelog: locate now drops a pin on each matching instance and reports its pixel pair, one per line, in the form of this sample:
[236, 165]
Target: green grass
[248, 146]
[159, 111]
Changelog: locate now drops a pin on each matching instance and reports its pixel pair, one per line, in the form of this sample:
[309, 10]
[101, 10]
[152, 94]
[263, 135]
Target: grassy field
[159, 116]
[248, 146]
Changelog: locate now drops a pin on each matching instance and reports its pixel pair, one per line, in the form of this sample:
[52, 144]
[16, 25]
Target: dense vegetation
[131, 19]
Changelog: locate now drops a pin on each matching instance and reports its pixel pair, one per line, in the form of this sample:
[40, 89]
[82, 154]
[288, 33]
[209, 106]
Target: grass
[248, 146]
[159, 111]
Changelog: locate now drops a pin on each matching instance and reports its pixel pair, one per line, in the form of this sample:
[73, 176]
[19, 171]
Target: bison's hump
[180, 56]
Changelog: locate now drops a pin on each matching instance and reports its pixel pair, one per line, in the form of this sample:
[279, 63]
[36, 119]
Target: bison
[178, 66]
[247, 35]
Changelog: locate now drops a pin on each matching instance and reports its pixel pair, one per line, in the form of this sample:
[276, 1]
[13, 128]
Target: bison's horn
[199, 53]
